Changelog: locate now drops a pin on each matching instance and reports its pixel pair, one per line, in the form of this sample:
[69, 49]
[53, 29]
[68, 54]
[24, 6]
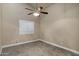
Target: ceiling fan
[37, 12]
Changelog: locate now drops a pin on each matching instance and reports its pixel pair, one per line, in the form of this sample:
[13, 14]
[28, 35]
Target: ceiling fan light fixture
[36, 14]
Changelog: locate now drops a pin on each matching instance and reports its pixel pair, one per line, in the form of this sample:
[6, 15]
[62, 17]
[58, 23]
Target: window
[26, 27]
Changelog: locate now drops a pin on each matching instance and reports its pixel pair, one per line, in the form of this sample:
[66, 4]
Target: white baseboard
[10, 45]
[68, 49]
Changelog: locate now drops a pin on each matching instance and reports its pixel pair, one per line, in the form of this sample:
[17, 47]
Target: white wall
[0, 27]
[61, 25]
[12, 13]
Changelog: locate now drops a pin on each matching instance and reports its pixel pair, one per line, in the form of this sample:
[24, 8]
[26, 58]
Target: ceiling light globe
[36, 14]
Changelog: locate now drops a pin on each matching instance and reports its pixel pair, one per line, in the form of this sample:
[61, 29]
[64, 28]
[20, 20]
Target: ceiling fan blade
[44, 12]
[29, 9]
[30, 13]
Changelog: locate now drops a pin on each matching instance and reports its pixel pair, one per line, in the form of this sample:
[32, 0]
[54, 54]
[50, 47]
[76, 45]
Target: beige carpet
[35, 49]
